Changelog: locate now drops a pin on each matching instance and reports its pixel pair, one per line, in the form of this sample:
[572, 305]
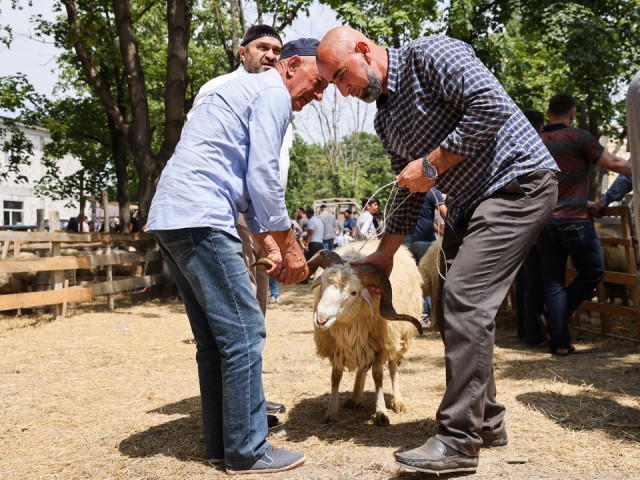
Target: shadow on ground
[182, 438]
[586, 411]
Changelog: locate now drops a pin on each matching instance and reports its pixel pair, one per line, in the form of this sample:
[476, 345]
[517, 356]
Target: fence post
[40, 219]
[107, 227]
[57, 277]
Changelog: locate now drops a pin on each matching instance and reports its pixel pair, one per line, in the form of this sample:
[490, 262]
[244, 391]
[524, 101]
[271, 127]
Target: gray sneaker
[435, 457]
[495, 443]
[273, 460]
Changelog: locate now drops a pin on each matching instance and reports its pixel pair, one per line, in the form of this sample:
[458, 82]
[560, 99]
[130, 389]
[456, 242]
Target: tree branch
[95, 79]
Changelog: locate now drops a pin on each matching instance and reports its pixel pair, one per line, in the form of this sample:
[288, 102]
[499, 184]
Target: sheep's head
[341, 294]
[342, 284]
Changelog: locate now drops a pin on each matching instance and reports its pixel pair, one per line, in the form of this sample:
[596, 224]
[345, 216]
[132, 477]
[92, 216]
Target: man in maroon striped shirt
[569, 231]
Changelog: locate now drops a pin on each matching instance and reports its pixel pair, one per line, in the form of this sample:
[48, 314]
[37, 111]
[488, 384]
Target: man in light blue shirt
[226, 163]
[260, 50]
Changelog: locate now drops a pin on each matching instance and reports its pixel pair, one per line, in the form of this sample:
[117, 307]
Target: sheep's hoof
[382, 420]
[351, 404]
[397, 406]
[329, 419]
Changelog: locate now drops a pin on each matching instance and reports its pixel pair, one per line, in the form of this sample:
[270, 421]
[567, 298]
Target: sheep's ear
[316, 282]
[366, 294]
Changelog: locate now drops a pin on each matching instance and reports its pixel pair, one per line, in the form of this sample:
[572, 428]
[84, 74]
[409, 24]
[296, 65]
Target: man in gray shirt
[329, 224]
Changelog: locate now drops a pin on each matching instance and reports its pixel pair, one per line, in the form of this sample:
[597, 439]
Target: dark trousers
[314, 247]
[483, 255]
[560, 239]
[530, 298]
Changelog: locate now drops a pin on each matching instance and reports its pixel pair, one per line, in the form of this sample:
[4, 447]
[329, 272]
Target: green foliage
[17, 95]
[311, 176]
[78, 128]
[388, 22]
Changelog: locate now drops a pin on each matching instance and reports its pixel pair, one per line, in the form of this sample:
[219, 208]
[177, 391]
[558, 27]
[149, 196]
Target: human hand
[294, 267]
[594, 209]
[380, 260]
[412, 177]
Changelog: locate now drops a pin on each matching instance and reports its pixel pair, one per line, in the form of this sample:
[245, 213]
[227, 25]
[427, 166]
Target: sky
[36, 59]
[28, 55]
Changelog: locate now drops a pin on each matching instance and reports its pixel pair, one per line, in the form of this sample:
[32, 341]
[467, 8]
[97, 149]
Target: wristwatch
[428, 170]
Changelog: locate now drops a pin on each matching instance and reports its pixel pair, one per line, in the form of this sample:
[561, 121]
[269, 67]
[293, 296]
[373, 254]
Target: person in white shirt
[315, 232]
[367, 224]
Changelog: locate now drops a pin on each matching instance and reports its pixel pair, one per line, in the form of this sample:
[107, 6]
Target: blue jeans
[229, 330]
[274, 289]
[328, 243]
[562, 238]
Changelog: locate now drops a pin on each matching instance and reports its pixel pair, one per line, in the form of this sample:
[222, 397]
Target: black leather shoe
[272, 421]
[435, 457]
[273, 407]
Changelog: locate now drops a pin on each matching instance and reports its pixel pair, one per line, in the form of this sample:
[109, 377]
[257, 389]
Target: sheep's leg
[332, 411]
[382, 419]
[358, 388]
[397, 403]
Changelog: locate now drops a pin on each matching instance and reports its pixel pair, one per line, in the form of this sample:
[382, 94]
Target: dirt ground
[102, 395]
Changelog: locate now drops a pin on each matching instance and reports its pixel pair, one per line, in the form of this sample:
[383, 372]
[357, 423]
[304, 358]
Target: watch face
[429, 170]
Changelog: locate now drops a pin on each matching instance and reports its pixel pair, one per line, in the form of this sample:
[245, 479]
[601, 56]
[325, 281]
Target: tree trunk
[148, 184]
[120, 161]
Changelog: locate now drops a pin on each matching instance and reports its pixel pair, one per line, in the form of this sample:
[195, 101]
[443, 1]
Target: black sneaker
[273, 407]
[435, 457]
[272, 461]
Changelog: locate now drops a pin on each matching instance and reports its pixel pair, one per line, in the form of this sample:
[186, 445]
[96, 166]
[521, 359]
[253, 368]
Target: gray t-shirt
[317, 230]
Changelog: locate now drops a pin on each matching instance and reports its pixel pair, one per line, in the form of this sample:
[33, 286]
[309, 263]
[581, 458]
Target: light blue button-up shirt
[227, 161]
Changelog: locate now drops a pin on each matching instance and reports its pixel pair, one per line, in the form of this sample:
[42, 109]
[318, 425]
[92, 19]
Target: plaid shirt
[440, 94]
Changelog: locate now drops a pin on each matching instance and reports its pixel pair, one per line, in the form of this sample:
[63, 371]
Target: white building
[18, 201]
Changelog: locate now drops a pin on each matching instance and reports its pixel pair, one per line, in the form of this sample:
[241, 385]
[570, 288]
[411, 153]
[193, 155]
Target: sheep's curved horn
[371, 275]
[264, 261]
[323, 259]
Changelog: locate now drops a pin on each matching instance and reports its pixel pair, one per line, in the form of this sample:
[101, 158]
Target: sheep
[17, 282]
[615, 260]
[429, 270]
[352, 327]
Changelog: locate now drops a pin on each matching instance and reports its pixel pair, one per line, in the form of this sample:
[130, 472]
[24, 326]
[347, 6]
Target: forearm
[614, 164]
[443, 160]
[389, 244]
[618, 189]
[269, 245]
[284, 240]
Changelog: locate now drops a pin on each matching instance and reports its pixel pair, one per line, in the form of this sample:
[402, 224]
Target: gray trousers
[483, 256]
[252, 251]
[633, 126]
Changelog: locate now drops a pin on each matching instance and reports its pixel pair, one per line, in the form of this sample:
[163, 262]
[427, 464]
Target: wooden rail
[90, 251]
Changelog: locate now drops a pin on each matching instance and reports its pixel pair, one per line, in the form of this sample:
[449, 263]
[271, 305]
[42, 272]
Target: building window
[12, 212]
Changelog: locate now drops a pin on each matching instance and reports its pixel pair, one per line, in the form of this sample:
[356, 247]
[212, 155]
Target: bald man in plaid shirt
[445, 120]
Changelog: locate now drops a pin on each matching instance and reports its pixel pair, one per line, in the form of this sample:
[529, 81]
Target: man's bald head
[353, 62]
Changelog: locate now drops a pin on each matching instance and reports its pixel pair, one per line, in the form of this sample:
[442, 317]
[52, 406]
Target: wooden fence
[619, 219]
[77, 266]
